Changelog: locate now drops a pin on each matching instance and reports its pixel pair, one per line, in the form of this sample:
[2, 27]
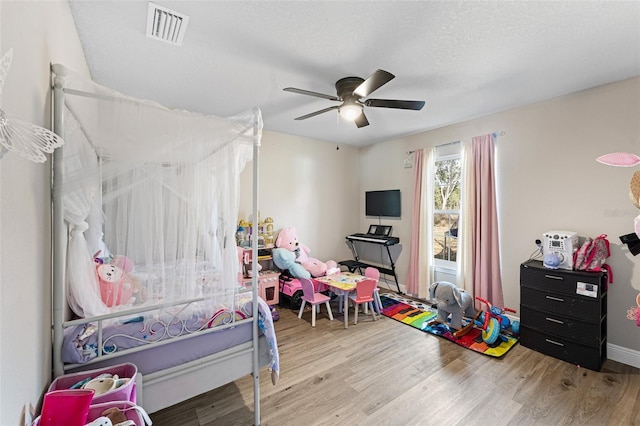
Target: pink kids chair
[310, 296]
[364, 295]
[374, 274]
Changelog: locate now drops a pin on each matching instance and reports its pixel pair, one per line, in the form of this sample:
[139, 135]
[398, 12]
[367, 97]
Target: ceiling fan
[351, 92]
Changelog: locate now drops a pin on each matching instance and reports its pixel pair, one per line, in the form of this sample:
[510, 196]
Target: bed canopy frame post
[58, 246]
[60, 233]
[254, 282]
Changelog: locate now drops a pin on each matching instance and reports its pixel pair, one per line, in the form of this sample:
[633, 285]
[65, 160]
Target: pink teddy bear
[288, 239]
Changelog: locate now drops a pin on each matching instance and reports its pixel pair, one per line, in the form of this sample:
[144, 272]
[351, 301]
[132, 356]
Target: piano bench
[352, 265]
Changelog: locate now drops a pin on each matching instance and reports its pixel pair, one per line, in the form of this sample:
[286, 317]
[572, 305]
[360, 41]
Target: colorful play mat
[419, 315]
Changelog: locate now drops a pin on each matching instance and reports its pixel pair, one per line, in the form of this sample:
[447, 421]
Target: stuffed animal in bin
[116, 287]
[285, 259]
[288, 239]
[451, 302]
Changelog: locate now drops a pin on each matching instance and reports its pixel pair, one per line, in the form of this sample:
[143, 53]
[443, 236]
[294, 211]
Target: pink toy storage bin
[125, 392]
[130, 410]
[68, 407]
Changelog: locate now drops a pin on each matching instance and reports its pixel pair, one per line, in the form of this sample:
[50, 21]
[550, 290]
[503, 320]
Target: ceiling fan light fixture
[350, 111]
[350, 91]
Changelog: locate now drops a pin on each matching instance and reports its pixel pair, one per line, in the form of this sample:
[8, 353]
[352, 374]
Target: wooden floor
[388, 373]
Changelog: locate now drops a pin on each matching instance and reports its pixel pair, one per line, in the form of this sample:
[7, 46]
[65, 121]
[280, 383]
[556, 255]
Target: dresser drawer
[588, 285]
[564, 349]
[561, 326]
[581, 308]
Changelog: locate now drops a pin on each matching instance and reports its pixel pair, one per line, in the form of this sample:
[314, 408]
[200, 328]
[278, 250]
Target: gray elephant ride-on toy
[453, 305]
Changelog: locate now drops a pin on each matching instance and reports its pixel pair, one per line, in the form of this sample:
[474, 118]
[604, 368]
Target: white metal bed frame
[156, 390]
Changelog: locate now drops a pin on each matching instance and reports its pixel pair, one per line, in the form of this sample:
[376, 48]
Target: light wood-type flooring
[388, 373]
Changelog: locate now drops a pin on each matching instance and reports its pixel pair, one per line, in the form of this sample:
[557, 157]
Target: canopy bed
[145, 267]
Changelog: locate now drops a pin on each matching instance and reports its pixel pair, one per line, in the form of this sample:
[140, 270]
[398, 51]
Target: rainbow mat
[418, 315]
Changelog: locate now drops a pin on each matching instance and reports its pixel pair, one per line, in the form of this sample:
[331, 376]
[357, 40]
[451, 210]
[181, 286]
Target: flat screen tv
[382, 203]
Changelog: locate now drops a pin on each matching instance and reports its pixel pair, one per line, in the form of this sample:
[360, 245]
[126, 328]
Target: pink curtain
[485, 248]
[415, 250]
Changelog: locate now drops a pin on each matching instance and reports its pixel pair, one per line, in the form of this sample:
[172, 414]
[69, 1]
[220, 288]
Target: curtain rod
[447, 144]
[437, 146]
[496, 133]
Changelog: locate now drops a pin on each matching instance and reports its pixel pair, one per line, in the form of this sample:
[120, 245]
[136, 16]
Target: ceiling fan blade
[361, 120]
[322, 111]
[310, 93]
[373, 83]
[392, 103]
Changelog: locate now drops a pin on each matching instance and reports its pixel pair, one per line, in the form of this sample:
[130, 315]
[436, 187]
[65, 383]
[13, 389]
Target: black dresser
[563, 313]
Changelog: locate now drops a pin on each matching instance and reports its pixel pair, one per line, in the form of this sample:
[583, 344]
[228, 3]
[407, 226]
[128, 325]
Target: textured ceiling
[466, 59]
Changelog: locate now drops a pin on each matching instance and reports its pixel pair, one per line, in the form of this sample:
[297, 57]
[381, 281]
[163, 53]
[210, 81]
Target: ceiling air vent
[166, 25]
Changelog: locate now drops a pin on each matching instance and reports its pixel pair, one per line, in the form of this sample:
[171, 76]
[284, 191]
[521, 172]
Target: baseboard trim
[624, 355]
[390, 284]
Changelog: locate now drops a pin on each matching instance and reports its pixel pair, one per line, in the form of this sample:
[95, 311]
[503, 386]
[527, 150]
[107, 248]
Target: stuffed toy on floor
[451, 302]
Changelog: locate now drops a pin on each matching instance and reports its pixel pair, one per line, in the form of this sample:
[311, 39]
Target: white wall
[40, 33]
[548, 179]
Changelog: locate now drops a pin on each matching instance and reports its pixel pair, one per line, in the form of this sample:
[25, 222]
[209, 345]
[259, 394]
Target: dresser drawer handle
[554, 277]
[557, 299]
[554, 320]
[554, 342]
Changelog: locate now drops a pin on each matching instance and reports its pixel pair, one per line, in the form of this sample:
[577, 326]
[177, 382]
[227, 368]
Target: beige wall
[309, 185]
[40, 33]
[382, 167]
[548, 179]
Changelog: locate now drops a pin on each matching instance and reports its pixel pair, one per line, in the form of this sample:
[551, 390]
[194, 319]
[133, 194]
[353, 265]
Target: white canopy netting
[150, 197]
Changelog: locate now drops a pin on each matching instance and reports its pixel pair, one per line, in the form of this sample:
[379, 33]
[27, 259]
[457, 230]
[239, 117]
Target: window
[446, 207]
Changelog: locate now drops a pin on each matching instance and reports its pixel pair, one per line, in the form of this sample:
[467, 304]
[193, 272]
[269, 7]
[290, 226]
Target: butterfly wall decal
[626, 159]
[619, 159]
[24, 139]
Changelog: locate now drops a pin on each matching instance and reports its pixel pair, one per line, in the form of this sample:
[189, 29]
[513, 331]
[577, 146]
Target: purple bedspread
[81, 342]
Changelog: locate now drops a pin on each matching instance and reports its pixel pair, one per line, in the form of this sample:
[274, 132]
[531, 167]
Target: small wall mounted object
[25, 139]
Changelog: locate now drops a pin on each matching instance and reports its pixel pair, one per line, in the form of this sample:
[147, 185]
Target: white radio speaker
[558, 248]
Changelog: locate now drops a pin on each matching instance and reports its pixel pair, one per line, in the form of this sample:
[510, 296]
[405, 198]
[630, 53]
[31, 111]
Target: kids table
[342, 284]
